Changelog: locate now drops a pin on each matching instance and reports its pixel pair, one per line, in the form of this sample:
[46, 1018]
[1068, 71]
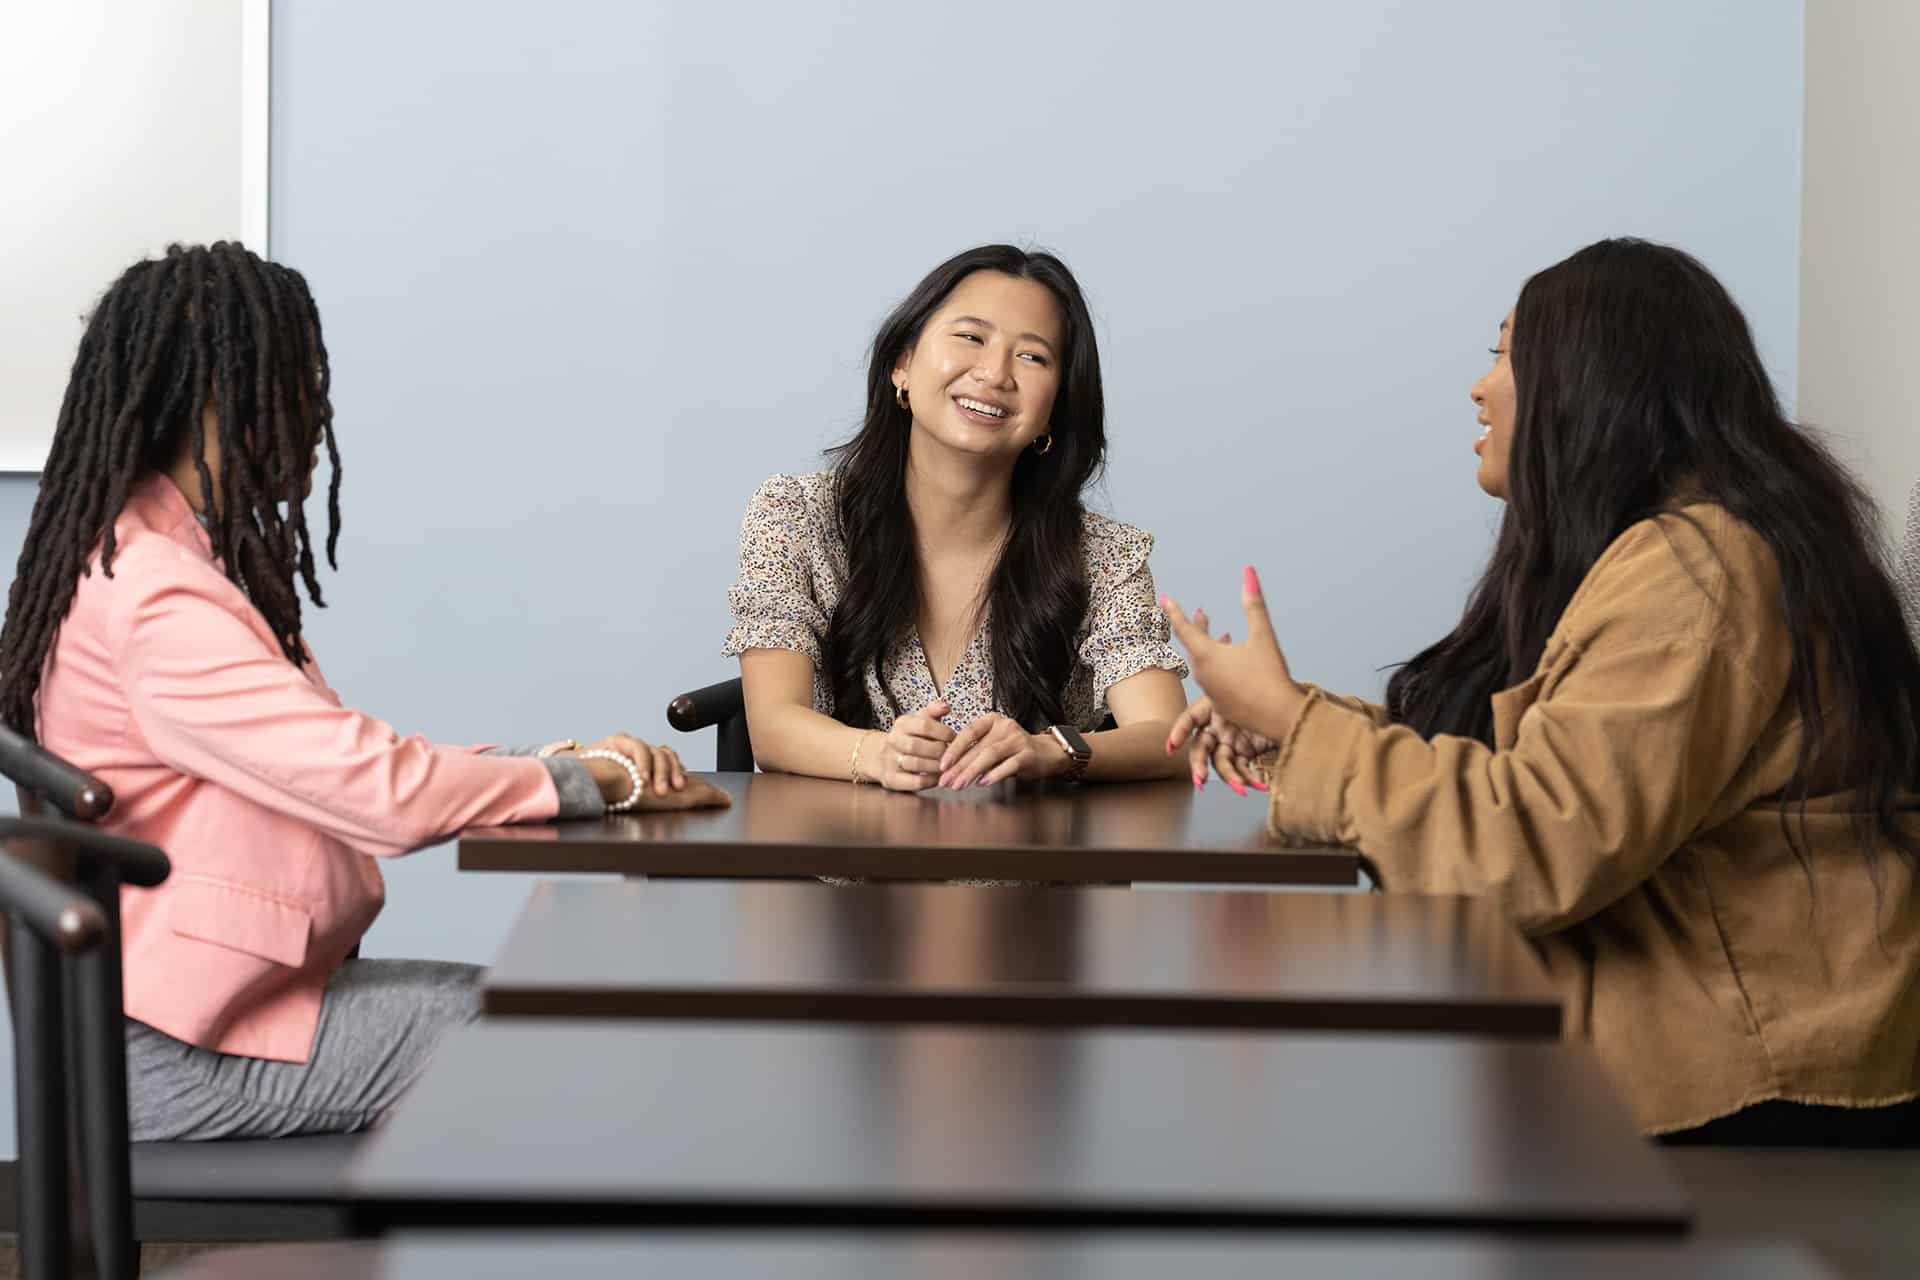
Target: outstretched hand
[1212, 739]
[1248, 683]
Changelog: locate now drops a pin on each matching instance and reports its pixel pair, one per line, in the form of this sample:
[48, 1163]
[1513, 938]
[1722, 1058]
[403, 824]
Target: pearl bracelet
[633, 773]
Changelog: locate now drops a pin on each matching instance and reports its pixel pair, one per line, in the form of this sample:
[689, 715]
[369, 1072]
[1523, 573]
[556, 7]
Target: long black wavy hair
[1637, 385]
[202, 319]
[1037, 595]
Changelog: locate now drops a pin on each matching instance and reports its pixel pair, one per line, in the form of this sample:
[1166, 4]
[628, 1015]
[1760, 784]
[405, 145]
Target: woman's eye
[1496, 351]
[1034, 356]
[970, 337]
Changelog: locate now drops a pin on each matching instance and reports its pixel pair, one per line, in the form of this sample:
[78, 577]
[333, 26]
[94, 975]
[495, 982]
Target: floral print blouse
[793, 568]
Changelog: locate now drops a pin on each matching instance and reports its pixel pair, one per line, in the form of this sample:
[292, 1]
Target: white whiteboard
[124, 125]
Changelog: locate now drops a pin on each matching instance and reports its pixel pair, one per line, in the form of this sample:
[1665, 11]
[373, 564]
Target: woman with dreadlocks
[153, 637]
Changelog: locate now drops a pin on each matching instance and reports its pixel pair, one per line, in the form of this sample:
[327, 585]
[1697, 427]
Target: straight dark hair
[1638, 387]
[1037, 595]
[213, 319]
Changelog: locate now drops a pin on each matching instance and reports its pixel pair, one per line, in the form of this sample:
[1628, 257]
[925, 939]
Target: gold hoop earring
[1043, 445]
[900, 394]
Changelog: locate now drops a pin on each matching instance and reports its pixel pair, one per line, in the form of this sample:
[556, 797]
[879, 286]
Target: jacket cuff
[579, 793]
[1307, 780]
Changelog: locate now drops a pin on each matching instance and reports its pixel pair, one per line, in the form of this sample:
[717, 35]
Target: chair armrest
[137, 862]
[704, 708]
[74, 792]
[63, 917]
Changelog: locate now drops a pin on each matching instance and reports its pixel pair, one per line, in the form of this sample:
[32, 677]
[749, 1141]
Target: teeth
[980, 406]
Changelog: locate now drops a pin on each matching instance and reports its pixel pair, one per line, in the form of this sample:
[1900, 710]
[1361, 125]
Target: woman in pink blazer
[153, 637]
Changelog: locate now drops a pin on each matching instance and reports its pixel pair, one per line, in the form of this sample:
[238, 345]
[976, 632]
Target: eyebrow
[1503, 326]
[988, 324]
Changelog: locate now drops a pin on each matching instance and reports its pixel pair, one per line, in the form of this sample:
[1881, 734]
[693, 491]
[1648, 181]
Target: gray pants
[380, 1020]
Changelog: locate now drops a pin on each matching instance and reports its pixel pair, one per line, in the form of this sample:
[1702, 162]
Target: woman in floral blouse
[940, 609]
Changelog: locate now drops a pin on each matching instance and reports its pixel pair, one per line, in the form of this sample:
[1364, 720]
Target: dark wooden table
[783, 826]
[520, 1123]
[997, 1255]
[898, 953]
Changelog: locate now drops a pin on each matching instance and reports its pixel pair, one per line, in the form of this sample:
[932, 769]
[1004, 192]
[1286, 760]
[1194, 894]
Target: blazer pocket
[240, 919]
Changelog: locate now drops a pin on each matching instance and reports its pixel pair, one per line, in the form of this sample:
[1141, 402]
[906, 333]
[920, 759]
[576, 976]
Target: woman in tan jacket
[1675, 734]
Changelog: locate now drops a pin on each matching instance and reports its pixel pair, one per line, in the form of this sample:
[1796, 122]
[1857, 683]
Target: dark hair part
[216, 319]
[1037, 595]
[1638, 387]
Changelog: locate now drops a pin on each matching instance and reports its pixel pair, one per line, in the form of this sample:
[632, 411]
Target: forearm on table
[572, 780]
[1133, 753]
[791, 738]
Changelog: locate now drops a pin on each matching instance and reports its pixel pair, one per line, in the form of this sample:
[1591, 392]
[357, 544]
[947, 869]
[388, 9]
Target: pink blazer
[272, 799]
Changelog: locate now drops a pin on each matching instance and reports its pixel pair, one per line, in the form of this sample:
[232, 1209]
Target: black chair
[267, 1189]
[65, 989]
[60, 888]
[721, 706]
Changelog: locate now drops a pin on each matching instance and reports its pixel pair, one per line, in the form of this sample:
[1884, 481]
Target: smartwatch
[1079, 754]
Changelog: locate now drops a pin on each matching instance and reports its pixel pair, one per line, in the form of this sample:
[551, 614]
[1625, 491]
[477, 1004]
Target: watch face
[1076, 745]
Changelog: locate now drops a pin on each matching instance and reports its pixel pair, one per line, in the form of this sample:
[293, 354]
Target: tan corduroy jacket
[1629, 820]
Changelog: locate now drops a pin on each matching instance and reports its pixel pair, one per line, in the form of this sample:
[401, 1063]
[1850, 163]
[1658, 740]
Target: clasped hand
[919, 752]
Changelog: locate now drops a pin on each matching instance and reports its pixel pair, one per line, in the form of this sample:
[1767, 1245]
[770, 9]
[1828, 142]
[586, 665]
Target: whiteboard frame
[256, 121]
[255, 159]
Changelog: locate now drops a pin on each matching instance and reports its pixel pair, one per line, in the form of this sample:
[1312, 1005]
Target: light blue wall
[589, 273]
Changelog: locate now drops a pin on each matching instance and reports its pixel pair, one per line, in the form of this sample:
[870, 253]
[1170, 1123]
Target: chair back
[41, 777]
[60, 888]
[720, 706]
[64, 977]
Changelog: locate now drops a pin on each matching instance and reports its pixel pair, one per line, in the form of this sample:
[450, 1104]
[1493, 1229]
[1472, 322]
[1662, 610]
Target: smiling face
[1493, 394]
[982, 377]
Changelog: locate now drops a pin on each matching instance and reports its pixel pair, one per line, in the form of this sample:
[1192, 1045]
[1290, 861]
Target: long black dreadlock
[215, 320]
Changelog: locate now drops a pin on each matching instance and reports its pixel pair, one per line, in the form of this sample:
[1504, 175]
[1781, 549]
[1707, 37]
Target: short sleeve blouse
[793, 569]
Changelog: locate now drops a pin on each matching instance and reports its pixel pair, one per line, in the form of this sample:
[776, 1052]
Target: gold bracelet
[853, 761]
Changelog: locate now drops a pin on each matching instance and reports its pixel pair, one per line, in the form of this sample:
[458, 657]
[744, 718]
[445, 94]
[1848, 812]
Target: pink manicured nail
[1169, 750]
[1257, 785]
[1199, 781]
[1237, 789]
[1250, 581]
[1165, 603]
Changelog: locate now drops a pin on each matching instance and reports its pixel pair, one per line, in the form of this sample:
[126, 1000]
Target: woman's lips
[975, 415]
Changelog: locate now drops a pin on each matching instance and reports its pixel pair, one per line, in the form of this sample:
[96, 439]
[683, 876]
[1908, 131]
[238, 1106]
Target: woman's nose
[994, 367]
